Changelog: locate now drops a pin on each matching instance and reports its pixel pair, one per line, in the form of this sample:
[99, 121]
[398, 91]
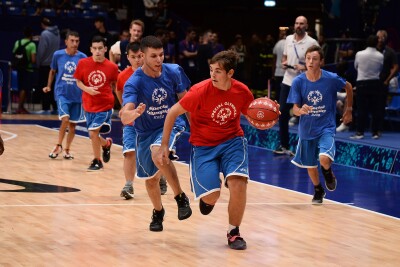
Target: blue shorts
[308, 151]
[206, 163]
[128, 139]
[72, 110]
[96, 120]
[146, 168]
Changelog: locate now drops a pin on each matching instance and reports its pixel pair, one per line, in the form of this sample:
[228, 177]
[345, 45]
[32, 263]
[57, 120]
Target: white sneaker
[293, 121]
[342, 128]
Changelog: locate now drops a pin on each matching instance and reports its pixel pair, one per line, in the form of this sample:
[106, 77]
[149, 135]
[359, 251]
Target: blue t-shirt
[159, 95]
[321, 95]
[65, 85]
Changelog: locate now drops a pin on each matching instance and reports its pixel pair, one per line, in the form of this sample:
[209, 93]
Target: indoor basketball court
[54, 213]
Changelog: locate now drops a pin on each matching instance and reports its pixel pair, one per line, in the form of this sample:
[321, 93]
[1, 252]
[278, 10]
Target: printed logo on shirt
[316, 97]
[223, 112]
[67, 76]
[159, 95]
[97, 78]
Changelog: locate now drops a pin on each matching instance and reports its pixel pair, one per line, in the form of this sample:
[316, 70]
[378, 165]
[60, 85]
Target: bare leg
[153, 190]
[97, 142]
[71, 135]
[237, 199]
[130, 165]
[313, 173]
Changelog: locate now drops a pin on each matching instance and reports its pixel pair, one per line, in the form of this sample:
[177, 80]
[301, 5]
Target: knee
[325, 161]
[212, 198]
[237, 183]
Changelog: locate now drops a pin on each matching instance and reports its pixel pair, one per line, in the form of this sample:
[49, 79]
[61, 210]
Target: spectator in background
[369, 64]
[390, 69]
[25, 75]
[188, 49]
[240, 48]
[49, 42]
[277, 68]
[118, 50]
[216, 45]
[101, 30]
[204, 56]
[346, 48]
[293, 60]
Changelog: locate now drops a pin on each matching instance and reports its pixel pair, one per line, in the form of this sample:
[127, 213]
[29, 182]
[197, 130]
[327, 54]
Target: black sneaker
[127, 192]
[96, 165]
[157, 220]
[283, 151]
[330, 179]
[163, 185]
[184, 210]
[205, 208]
[107, 150]
[318, 195]
[235, 241]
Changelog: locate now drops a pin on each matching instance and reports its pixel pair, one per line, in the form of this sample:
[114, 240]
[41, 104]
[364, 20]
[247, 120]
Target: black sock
[318, 187]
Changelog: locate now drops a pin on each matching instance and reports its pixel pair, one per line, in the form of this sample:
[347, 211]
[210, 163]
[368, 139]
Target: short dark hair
[150, 41]
[316, 48]
[227, 59]
[47, 21]
[372, 41]
[99, 39]
[133, 46]
[71, 33]
[99, 19]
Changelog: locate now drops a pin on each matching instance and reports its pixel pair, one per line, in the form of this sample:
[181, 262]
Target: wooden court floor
[54, 213]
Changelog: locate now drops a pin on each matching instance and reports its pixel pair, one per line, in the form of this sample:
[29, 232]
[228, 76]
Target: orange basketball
[263, 113]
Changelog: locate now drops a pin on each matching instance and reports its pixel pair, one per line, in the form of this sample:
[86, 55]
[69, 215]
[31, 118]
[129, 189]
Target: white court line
[11, 135]
[351, 205]
[149, 204]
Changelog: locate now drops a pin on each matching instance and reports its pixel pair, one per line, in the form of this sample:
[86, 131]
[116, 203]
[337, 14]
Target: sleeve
[120, 83]
[53, 64]
[249, 99]
[182, 80]
[130, 92]
[115, 48]
[340, 82]
[294, 96]
[190, 101]
[78, 72]
[285, 47]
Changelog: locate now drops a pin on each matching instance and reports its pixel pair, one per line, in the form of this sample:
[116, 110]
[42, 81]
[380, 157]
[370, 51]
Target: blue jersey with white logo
[321, 95]
[159, 94]
[65, 85]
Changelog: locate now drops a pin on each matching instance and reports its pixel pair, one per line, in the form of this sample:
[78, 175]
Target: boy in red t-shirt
[96, 76]
[218, 140]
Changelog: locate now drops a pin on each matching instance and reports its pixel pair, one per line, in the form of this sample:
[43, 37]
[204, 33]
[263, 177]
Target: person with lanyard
[293, 61]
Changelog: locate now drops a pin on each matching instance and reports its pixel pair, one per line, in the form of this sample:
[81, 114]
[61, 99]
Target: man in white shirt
[293, 61]
[136, 30]
[369, 64]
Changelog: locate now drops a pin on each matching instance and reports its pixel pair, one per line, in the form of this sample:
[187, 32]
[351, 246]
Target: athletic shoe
[293, 121]
[184, 210]
[283, 151]
[57, 150]
[357, 136]
[342, 128]
[330, 179]
[163, 185]
[318, 195]
[157, 220]
[376, 135]
[127, 192]
[235, 241]
[107, 150]
[96, 165]
[68, 155]
[205, 208]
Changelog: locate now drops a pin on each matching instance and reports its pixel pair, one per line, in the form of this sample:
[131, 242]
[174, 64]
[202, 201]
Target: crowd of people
[157, 78]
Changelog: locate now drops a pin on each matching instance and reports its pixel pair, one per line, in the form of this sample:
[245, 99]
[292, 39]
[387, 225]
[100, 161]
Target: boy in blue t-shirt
[66, 93]
[313, 94]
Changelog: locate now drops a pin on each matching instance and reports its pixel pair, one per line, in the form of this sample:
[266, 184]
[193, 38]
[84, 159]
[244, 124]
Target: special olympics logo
[97, 78]
[260, 115]
[70, 66]
[223, 113]
[314, 96]
[159, 95]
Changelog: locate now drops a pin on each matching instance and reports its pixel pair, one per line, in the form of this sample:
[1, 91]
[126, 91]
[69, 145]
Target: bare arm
[393, 72]
[304, 110]
[87, 89]
[163, 152]
[348, 112]
[118, 93]
[50, 80]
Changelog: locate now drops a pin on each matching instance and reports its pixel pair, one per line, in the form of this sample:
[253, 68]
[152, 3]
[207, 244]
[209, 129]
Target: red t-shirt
[214, 113]
[123, 76]
[100, 75]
